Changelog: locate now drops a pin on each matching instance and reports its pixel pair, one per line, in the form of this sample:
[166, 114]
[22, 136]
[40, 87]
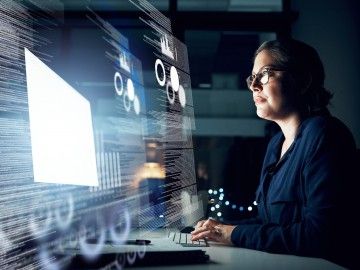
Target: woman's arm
[326, 178]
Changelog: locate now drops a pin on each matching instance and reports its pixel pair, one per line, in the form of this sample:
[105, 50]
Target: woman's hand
[212, 230]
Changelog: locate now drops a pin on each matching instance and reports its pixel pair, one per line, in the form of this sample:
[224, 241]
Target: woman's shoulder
[322, 122]
[327, 126]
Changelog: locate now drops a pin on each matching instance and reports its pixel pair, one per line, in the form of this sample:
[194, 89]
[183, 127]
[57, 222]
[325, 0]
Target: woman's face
[272, 100]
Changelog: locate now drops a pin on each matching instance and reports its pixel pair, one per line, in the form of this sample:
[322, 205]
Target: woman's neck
[289, 126]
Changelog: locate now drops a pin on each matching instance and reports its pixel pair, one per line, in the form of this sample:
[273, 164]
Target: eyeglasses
[262, 77]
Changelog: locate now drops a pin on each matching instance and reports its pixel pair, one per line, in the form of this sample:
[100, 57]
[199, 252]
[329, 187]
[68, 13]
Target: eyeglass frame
[266, 68]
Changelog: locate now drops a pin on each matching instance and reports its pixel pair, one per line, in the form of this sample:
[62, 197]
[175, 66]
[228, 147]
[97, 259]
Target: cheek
[288, 92]
[275, 96]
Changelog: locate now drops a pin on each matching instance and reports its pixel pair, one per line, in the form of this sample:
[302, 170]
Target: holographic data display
[89, 151]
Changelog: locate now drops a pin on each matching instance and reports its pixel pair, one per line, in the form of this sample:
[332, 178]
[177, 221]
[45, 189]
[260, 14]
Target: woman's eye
[264, 77]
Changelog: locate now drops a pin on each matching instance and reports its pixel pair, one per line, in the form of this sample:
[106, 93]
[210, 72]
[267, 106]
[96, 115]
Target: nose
[255, 86]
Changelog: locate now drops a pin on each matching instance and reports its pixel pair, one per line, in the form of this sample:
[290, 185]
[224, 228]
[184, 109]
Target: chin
[261, 114]
[265, 115]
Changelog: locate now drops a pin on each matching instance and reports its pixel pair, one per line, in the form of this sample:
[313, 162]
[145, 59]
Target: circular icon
[120, 261]
[131, 257]
[91, 251]
[182, 96]
[117, 237]
[141, 251]
[127, 103]
[62, 222]
[130, 89]
[171, 96]
[158, 62]
[174, 76]
[136, 105]
[119, 90]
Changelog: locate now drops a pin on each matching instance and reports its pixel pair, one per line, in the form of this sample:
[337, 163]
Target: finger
[202, 235]
[199, 230]
[209, 235]
[200, 224]
[210, 222]
[205, 225]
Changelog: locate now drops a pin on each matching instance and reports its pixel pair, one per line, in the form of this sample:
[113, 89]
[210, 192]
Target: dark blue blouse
[303, 198]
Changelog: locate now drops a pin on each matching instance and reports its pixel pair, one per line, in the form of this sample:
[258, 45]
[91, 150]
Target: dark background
[221, 37]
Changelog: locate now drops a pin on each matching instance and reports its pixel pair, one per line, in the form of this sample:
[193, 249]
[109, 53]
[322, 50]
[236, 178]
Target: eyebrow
[263, 67]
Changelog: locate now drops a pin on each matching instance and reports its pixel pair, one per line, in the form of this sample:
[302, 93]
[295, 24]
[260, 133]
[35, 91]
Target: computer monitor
[80, 124]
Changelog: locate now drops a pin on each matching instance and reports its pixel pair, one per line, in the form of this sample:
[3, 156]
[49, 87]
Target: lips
[259, 99]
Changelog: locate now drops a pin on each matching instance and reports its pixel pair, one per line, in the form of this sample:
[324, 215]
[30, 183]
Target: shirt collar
[277, 145]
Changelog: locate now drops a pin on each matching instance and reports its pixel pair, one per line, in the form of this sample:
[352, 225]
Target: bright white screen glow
[61, 128]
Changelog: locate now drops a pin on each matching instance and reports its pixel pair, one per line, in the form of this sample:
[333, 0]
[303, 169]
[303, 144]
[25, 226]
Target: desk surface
[229, 257]
[224, 257]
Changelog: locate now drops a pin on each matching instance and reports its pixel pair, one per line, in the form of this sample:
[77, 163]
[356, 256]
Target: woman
[306, 177]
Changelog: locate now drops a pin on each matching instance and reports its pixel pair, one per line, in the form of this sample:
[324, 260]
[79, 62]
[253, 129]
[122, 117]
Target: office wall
[333, 28]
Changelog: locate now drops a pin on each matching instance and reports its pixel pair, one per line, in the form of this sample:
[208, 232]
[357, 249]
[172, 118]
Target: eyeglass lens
[262, 77]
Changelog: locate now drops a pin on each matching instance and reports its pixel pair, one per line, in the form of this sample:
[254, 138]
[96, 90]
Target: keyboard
[184, 239]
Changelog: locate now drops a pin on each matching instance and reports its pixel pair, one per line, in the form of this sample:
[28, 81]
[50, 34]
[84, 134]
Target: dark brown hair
[305, 67]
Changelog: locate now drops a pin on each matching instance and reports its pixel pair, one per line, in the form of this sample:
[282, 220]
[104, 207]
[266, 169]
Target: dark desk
[228, 257]
[224, 257]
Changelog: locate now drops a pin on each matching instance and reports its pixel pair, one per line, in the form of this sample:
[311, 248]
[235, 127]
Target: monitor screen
[96, 121]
